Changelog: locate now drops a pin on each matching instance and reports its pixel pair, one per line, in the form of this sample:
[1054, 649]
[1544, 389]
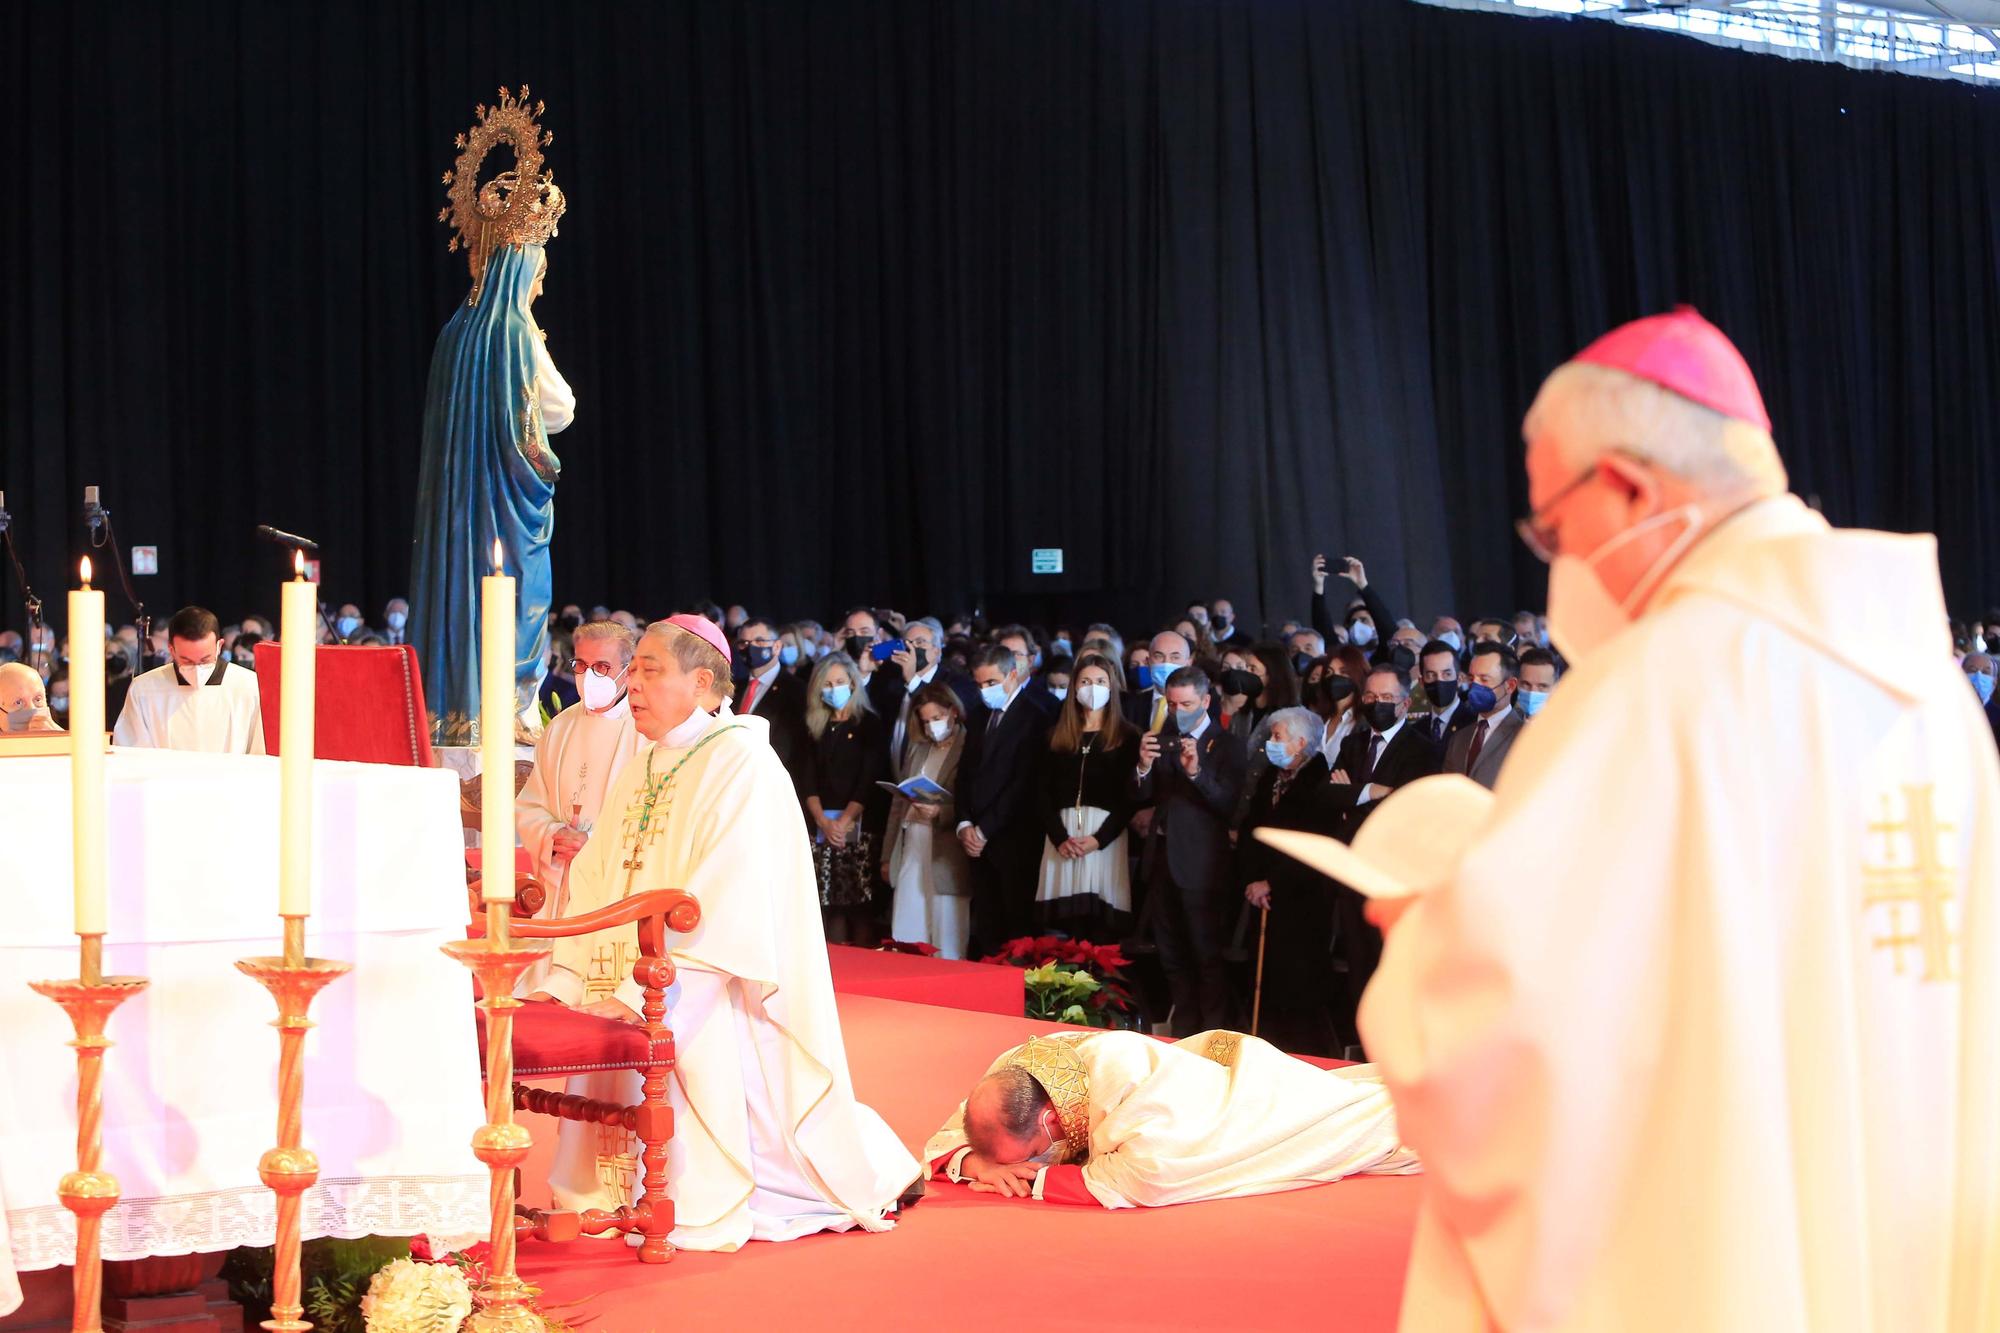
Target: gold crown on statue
[517, 207]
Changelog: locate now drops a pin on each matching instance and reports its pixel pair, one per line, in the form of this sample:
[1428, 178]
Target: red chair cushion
[551, 1041]
[368, 704]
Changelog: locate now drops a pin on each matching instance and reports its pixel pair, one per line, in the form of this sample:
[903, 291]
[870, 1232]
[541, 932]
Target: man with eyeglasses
[769, 691]
[1728, 1055]
[579, 753]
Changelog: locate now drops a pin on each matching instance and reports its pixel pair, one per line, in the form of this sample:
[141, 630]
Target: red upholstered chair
[369, 704]
[551, 1042]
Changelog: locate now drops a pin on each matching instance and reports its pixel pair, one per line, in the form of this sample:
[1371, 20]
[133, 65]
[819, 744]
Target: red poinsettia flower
[420, 1250]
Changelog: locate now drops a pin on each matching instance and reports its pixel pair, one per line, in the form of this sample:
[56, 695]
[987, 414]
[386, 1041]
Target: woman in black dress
[1086, 801]
[843, 766]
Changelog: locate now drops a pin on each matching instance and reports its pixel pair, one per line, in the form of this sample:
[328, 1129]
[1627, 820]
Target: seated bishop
[769, 1143]
[199, 700]
[1122, 1120]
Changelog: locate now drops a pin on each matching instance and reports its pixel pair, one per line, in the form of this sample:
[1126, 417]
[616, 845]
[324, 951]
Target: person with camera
[1191, 771]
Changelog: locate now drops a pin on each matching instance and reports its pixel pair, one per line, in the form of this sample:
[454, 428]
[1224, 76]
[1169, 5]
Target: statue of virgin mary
[493, 400]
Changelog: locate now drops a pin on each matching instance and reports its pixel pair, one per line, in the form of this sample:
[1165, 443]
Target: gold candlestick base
[289, 1169]
[504, 1302]
[89, 1192]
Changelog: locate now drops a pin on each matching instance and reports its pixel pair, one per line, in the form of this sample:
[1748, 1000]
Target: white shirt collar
[922, 678]
[1493, 722]
[1201, 728]
[768, 674]
[1392, 732]
[692, 729]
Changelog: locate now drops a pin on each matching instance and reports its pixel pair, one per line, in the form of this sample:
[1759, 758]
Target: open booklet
[918, 788]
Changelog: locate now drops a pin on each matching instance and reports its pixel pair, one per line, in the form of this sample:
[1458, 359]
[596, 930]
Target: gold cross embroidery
[1923, 882]
[608, 968]
[617, 1158]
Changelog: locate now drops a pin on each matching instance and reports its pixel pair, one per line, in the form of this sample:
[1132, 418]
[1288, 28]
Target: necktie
[749, 697]
[1478, 744]
[1437, 728]
[1374, 753]
[993, 723]
[1159, 712]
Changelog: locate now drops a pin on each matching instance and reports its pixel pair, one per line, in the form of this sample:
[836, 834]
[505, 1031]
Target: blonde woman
[841, 769]
[930, 875]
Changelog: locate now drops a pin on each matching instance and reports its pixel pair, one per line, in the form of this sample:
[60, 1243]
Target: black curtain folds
[869, 299]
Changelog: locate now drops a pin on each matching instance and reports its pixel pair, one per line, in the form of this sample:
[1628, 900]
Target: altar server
[199, 700]
[1727, 1057]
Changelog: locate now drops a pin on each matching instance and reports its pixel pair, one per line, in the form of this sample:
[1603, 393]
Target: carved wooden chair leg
[653, 1118]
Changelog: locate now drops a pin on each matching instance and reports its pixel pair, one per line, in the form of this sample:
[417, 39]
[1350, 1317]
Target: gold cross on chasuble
[1919, 882]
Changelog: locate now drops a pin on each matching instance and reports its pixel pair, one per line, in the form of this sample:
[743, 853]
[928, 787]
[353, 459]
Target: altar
[392, 1085]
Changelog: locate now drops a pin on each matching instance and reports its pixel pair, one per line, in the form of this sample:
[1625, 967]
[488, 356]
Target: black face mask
[759, 658]
[1380, 715]
[1302, 662]
[1332, 688]
[855, 646]
[1442, 692]
[1245, 683]
[923, 656]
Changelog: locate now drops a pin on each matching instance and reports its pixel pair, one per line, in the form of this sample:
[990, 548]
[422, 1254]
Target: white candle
[496, 733]
[298, 601]
[86, 740]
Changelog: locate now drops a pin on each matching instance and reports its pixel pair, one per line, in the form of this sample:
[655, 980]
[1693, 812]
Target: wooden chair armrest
[677, 906]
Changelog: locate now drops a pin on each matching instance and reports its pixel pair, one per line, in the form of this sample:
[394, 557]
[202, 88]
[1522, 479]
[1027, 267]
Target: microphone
[94, 513]
[283, 538]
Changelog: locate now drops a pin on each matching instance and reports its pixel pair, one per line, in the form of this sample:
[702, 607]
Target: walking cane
[1257, 994]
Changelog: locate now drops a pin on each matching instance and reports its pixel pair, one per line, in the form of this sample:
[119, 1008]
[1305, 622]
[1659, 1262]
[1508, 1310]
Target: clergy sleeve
[131, 728]
[591, 885]
[535, 816]
[1064, 1184]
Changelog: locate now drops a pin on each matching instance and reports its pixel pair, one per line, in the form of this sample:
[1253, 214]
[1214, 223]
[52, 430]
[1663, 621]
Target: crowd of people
[965, 784]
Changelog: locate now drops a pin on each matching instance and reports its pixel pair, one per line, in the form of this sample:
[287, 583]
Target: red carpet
[1331, 1257]
[981, 987]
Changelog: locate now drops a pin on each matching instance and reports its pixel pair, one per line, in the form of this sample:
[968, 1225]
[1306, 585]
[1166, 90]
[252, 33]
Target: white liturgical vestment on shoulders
[1727, 1055]
[220, 716]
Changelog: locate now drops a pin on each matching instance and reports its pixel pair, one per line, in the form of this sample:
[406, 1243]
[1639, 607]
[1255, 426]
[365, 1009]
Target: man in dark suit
[1437, 667]
[1478, 751]
[1384, 753]
[772, 693]
[999, 826]
[1192, 772]
[1978, 668]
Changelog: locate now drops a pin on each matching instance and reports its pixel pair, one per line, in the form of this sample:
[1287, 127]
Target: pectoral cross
[1922, 882]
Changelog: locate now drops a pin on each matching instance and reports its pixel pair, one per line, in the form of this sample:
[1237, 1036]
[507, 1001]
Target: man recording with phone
[1192, 771]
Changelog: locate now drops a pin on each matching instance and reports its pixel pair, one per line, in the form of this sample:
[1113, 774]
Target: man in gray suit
[1479, 750]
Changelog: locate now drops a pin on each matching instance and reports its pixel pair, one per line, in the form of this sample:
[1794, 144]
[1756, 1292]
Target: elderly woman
[930, 877]
[1298, 972]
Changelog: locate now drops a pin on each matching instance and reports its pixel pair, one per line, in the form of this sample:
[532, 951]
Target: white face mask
[1583, 615]
[194, 676]
[599, 692]
[1093, 697]
[939, 728]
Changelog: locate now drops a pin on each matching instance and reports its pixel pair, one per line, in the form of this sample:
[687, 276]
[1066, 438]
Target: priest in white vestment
[1124, 1120]
[1725, 1055]
[199, 700]
[769, 1142]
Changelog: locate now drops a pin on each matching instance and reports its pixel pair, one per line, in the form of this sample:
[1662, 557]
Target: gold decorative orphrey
[517, 207]
[1054, 1063]
[1914, 892]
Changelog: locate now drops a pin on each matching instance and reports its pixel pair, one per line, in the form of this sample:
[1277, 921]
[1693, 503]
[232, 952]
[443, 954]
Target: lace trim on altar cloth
[443, 1207]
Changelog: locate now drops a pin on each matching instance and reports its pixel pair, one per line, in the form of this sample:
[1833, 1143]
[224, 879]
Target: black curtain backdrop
[867, 299]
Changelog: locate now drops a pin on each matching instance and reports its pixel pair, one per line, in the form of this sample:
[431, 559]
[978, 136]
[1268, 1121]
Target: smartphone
[882, 652]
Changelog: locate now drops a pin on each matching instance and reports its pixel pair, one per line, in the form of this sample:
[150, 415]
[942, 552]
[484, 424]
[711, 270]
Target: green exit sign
[1045, 560]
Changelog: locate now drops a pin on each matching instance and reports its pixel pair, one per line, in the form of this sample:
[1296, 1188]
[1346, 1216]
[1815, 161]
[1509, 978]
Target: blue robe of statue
[493, 400]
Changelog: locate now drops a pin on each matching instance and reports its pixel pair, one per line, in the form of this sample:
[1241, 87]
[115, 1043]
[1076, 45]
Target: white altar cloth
[392, 1069]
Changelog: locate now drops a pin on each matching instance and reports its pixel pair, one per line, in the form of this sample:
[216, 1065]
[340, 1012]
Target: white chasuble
[1214, 1116]
[223, 715]
[1725, 1055]
[769, 1142]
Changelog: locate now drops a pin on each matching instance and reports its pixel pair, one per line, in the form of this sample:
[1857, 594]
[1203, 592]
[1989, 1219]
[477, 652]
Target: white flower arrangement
[409, 1297]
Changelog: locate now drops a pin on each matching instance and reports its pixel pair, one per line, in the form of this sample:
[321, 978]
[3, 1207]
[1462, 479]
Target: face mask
[1245, 683]
[923, 657]
[855, 646]
[939, 729]
[1454, 638]
[1062, 649]
[1480, 699]
[60, 707]
[346, 625]
[994, 696]
[21, 716]
[598, 692]
[1531, 701]
[758, 658]
[1275, 751]
[1583, 615]
[1379, 715]
[1361, 634]
[246, 659]
[1302, 662]
[1093, 697]
[836, 696]
[1142, 678]
[1982, 685]
[398, 619]
[1061, 692]
[190, 676]
[1037, 659]
[1187, 719]
[789, 654]
[1441, 692]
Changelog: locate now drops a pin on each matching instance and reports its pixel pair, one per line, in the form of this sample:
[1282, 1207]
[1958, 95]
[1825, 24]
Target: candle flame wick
[85, 569]
[499, 556]
[298, 564]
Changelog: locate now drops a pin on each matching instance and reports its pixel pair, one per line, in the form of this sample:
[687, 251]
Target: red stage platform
[1331, 1257]
[984, 988]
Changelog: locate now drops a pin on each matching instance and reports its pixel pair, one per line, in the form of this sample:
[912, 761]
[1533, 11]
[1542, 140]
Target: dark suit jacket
[1491, 755]
[1993, 715]
[1137, 705]
[1461, 717]
[996, 779]
[1405, 759]
[1191, 816]
[784, 707]
[1303, 806]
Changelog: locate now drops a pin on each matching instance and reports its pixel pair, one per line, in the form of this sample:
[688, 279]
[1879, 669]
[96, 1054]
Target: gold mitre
[517, 207]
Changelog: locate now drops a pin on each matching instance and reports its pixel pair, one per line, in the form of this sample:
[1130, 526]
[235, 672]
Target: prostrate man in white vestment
[1122, 1120]
[1728, 1057]
[199, 700]
[769, 1141]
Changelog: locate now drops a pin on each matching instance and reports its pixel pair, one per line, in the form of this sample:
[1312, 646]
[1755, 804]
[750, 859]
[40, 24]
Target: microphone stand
[32, 603]
[98, 519]
[299, 544]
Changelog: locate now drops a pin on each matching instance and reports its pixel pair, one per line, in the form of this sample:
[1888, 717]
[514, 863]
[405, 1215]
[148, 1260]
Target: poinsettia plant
[1070, 981]
[917, 947]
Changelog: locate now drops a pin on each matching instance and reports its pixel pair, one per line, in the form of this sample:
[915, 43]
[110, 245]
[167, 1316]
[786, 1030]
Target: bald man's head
[23, 703]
